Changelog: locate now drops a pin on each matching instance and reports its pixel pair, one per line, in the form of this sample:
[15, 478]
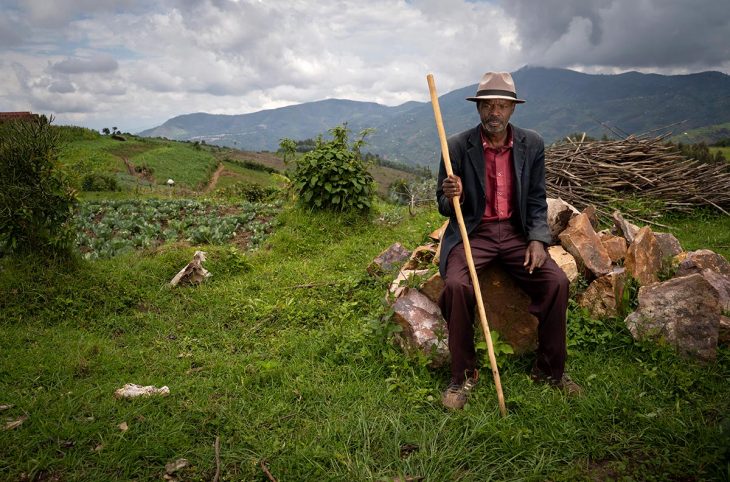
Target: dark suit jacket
[467, 161]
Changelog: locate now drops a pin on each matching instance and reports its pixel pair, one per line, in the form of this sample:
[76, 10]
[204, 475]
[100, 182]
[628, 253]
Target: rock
[421, 257]
[624, 228]
[696, 261]
[179, 464]
[433, 287]
[437, 234]
[590, 211]
[723, 335]
[668, 245]
[558, 215]
[506, 306]
[424, 328]
[193, 273]
[131, 390]
[683, 311]
[615, 246]
[721, 283]
[643, 258]
[604, 295]
[388, 260]
[399, 285]
[581, 240]
[565, 261]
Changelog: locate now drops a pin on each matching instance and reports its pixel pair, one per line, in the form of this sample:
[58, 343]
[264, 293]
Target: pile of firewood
[604, 173]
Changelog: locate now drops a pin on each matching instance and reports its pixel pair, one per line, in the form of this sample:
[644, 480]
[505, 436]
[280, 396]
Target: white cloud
[139, 63]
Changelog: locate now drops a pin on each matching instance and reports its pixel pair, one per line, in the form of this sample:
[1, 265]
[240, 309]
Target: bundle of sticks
[607, 174]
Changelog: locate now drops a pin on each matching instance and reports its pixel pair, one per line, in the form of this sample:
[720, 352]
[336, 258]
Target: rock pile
[683, 299]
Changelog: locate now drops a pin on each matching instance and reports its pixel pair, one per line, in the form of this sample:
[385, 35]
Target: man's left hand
[535, 256]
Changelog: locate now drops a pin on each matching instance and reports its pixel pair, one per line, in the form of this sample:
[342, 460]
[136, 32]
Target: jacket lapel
[475, 152]
[518, 159]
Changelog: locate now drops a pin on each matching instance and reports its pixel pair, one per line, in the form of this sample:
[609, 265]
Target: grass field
[724, 150]
[284, 355]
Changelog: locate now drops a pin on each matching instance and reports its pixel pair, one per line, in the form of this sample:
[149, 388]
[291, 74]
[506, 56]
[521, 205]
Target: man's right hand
[451, 186]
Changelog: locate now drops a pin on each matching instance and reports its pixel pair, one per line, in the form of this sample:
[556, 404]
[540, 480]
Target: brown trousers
[547, 287]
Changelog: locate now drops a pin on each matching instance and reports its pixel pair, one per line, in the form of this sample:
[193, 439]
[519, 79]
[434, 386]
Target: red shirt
[499, 179]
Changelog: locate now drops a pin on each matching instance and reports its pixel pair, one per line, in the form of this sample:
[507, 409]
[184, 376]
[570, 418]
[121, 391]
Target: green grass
[705, 229]
[283, 355]
[724, 150]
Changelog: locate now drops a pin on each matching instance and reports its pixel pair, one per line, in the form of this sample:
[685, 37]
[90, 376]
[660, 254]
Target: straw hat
[496, 85]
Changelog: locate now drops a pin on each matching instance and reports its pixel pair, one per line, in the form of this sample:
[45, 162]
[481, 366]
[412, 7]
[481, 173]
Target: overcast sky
[136, 63]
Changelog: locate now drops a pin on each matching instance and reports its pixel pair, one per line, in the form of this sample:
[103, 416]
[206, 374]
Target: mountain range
[559, 102]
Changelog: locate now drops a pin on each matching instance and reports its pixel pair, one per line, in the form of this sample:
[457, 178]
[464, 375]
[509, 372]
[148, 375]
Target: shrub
[333, 176]
[36, 200]
[99, 182]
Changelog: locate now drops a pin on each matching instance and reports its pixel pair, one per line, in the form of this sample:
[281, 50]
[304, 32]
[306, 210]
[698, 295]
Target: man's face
[495, 114]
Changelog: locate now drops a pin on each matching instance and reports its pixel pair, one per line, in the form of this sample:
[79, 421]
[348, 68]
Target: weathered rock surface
[399, 284]
[590, 211]
[696, 261]
[643, 258]
[624, 228]
[615, 246]
[668, 245]
[424, 328]
[582, 241]
[558, 215]
[506, 306]
[721, 283]
[565, 261]
[432, 287]
[389, 259]
[421, 257]
[603, 296]
[683, 311]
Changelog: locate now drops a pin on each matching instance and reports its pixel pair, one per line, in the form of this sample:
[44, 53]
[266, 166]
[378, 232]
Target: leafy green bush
[97, 181]
[36, 200]
[333, 176]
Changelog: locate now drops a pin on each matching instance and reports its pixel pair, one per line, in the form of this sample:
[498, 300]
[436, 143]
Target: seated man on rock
[499, 180]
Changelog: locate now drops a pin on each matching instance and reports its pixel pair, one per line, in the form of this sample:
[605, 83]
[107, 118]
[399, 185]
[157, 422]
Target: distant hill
[559, 102]
[707, 134]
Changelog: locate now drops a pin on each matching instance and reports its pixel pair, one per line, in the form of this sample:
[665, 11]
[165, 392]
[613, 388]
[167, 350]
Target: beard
[494, 124]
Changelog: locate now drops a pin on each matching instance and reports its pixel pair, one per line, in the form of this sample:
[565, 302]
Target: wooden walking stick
[467, 246]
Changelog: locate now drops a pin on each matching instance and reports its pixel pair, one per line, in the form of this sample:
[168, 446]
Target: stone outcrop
[604, 295]
[424, 329]
[558, 215]
[668, 245]
[582, 241]
[721, 283]
[643, 258]
[391, 258]
[565, 261]
[683, 311]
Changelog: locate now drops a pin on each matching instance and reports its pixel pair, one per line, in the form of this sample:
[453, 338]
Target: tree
[105, 131]
[288, 149]
[36, 199]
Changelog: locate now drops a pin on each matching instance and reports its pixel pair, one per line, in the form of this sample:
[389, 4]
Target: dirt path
[214, 178]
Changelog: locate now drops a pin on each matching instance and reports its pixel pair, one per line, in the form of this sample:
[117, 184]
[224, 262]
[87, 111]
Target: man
[499, 180]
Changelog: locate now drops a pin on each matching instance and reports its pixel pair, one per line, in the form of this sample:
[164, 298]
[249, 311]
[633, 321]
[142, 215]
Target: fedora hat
[496, 85]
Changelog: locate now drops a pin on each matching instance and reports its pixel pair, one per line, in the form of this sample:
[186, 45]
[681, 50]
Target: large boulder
[582, 241]
[683, 311]
[424, 329]
[391, 258]
[696, 261]
[603, 296]
[565, 261]
[506, 306]
[558, 215]
[644, 258]
[721, 283]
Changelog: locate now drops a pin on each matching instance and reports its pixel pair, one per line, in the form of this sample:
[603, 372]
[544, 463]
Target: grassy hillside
[284, 355]
[708, 135]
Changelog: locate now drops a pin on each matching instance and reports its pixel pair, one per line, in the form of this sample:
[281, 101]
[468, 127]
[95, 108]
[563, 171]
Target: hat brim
[502, 97]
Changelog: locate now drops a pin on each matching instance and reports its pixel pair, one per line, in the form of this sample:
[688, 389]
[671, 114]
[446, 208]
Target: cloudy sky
[136, 63]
